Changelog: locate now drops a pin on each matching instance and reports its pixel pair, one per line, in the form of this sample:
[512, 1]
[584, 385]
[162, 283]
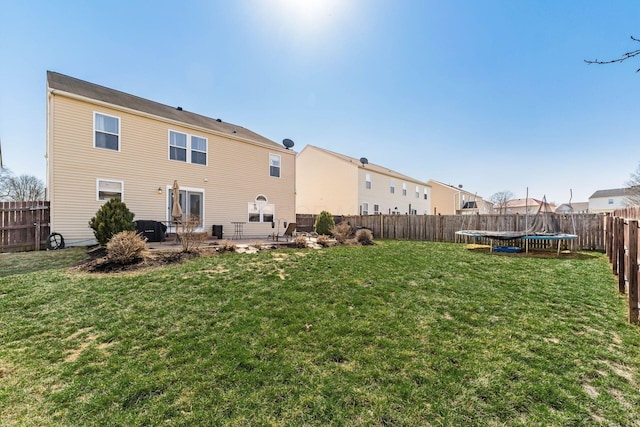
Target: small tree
[112, 218]
[633, 192]
[500, 200]
[324, 223]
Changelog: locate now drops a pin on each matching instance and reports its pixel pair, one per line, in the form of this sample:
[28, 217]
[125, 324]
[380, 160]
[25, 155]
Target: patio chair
[291, 228]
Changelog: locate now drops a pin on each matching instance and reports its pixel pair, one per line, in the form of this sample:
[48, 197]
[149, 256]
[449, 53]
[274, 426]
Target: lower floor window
[108, 189]
[376, 209]
[365, 209]
[260, 210]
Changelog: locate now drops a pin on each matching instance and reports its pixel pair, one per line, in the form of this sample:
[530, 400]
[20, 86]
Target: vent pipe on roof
[179, 108]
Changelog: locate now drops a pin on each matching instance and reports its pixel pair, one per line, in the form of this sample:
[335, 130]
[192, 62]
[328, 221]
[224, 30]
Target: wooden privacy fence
[622, 249]
[442, 228]
[23, 225]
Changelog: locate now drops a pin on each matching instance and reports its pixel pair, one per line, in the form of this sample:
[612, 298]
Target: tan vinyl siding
[324, 182]
[235, 173]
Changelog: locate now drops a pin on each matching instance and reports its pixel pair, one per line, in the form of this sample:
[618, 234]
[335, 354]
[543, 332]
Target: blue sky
[490, 94]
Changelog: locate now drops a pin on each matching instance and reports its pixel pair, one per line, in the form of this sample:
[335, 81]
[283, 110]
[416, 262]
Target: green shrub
[112, 218]
[324, 223]
[126, 247]
[342, 232]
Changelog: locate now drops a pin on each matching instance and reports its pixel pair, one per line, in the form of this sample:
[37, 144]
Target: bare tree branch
[622, 58]
[500, 200]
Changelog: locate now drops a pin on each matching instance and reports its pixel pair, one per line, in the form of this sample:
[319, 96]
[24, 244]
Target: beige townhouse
[103, 143]
[450, 200]
[345, 185]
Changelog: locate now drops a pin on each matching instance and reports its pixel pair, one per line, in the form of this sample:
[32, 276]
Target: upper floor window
[417, 192]
[274, 165]
[109, 189]
[367, 180]
[404, 188]
[425, 194]
[392, 186]
[106, 131]
[610, 201]
[187, 148]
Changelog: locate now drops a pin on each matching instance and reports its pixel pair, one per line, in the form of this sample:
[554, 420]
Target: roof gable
[89, 90]
[369, 166]
[614, 192]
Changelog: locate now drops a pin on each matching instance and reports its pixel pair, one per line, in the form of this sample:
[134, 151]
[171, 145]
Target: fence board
[23, 225]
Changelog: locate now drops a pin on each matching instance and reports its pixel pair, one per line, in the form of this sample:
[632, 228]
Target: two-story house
[605, 201]
[345, 185]
[450, 200]
[103, 143]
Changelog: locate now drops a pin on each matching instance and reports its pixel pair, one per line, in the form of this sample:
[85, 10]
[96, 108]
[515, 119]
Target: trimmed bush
[342, 232]
[364, 236]
[112, 218]
[324, 223]
[126, 247]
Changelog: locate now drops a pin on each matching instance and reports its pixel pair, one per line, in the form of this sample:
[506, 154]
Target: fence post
[621, 266]
[633, 272]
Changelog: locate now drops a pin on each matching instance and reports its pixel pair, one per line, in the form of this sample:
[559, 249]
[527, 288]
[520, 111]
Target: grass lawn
[401, 333]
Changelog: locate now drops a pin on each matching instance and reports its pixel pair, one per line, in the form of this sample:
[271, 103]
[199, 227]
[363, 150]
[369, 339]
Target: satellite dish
[364, 161]
[459, 185]
[287, 143]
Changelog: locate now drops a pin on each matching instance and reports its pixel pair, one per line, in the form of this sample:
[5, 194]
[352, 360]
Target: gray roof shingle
[86, 89]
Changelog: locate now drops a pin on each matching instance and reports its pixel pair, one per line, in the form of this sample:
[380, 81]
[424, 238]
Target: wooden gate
[24, 226]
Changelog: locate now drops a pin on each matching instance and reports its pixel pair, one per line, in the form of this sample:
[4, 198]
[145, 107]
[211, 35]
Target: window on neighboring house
[417, 192]
[191, 202]
[261, 211]
[425, 194]
[367, 180]
[187, 148]
[610, 201]
[364, 209]
[106, 131]
[392, 187]
[376, 209]
[274, 165]
[109, 189]
[404, 188]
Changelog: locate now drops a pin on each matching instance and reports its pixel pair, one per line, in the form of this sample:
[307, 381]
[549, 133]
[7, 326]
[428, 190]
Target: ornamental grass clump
[300, 242]
[342, 232]
[126, 247]
[364, 236]
[323, 240]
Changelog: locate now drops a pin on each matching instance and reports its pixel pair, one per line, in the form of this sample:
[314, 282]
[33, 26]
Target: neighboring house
[576, 208]
[102, 143]
[527, 206]
[604, 201]
[345, 185]
[449, 200]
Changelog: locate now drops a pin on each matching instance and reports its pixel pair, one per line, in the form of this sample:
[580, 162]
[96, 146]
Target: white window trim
[262, 204]
[417, 192]
[392, 186]
[108, 180]
[362, 211]
[95, 130]
[367, 181]
[188, 148]
[404, 188]
[376, 211]
[279, 167]
[195, 190]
